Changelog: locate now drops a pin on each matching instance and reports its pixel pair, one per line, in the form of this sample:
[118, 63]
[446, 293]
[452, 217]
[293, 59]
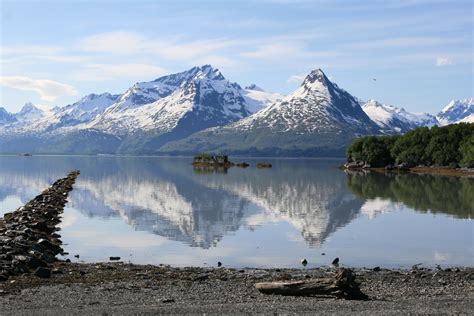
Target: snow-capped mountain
[31, 112]
[393, 119]
[148, 114]
[257, 98]
[6, 117]
[186, 103]
[200, 110]
[318, 117]
[457, 111]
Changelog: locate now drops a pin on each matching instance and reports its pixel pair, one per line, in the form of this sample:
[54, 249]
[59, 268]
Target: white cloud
[112, 42]
[296, 78]
[443, 61]
[133, 43]
[98, 72]
[274, 51]
[48, 90]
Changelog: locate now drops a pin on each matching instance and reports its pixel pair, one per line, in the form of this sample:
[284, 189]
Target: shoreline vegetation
[447, 150]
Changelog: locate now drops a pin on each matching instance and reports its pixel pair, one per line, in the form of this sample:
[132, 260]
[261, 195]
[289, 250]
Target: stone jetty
[29, 241]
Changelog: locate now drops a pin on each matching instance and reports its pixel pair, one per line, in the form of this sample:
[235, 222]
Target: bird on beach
[219, 264]
[304, 262]
[335, 262]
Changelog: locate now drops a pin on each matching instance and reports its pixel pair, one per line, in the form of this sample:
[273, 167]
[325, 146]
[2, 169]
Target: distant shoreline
[444, 171]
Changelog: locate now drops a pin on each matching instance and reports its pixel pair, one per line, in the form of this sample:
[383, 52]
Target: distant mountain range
[200, 110]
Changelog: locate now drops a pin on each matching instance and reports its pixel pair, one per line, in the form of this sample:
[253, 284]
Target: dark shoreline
[121, 288]
[444, 171]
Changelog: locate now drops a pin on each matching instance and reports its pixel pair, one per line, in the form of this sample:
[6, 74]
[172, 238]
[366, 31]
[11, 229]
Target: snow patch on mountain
[257, 98]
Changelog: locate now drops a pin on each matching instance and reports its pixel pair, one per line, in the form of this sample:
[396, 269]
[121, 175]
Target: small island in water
[444, 150]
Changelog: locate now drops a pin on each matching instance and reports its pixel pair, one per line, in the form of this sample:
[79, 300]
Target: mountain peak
[315, 79]
[254, 87]
[29, 107]
[210, 73]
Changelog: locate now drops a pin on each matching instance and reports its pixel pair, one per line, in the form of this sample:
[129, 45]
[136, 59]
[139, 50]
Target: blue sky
[420, 52]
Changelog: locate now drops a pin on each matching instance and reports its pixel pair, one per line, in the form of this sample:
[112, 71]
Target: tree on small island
[451, 145]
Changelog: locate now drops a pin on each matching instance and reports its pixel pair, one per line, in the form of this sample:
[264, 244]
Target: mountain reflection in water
[199, 207]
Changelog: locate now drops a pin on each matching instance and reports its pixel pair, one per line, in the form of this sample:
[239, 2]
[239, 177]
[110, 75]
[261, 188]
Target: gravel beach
[120, 288]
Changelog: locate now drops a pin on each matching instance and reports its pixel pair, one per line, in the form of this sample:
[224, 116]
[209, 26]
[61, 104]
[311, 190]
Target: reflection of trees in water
[424, 193]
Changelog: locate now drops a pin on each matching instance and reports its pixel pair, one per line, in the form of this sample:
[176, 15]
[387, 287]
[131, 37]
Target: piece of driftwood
[341, 285]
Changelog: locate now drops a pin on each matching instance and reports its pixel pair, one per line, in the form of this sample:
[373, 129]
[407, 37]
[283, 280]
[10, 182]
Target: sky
[420, 52]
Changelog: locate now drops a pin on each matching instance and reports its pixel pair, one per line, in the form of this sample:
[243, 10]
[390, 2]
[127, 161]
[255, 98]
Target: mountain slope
[6, 117]
[457, 111]
[396, 120]
[318, 118]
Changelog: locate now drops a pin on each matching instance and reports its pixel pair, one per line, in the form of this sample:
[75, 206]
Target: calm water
[160, 210]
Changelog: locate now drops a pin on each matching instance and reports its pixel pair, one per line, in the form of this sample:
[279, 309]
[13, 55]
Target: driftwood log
[341, 285]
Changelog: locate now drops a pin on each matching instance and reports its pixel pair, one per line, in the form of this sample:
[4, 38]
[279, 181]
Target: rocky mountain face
[319, 118]
[457, 111]
[392, 119]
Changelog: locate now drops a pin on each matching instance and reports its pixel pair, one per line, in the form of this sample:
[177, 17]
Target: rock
[263, 165]
[351, 165]
[304, 262]
[43, 272]
[335, 262]
[114, 258]
[28, 239]
[34, 263]
[376, 269]
[201, 277]
[242, 164]
[219, 264]
[168, 300]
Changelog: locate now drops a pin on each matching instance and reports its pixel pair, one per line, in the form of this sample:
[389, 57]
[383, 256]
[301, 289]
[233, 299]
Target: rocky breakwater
[29, 241]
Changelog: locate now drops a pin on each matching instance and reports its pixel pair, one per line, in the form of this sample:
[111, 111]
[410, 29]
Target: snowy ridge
[31, 112]
[391, 118]
[6, 117]
[202, 91]
[457, 111]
